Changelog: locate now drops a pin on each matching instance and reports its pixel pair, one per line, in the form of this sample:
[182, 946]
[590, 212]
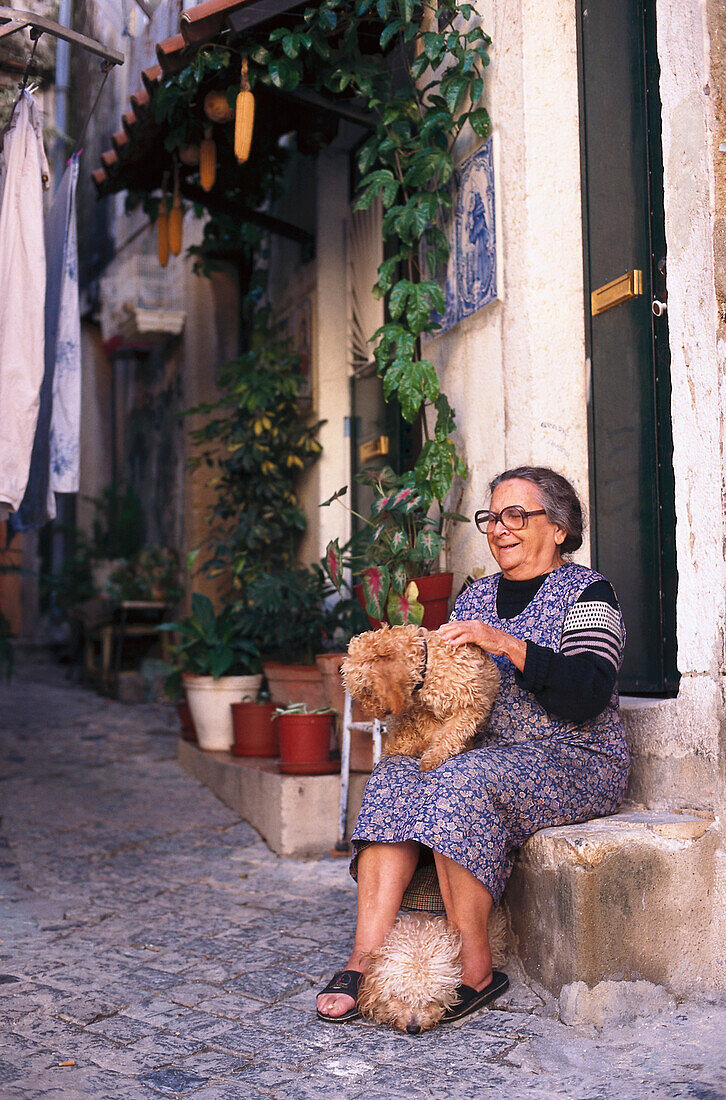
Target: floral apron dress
[531, 769]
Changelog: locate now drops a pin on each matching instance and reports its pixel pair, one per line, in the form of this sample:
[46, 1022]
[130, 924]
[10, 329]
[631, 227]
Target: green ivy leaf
[398, 296]
[389, 32]
[456, 89]
[480, 122]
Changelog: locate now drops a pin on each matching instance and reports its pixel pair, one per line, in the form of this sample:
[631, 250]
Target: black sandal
[347, 982]
[472, 999]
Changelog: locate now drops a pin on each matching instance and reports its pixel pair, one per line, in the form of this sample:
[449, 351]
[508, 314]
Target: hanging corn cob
[244, 117]
[175, 217]
[162, 228]
[207, 160]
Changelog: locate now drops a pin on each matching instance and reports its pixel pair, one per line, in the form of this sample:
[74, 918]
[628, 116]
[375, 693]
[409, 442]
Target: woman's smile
[533, 550]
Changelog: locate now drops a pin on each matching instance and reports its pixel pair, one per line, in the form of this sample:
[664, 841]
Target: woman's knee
[388, 860]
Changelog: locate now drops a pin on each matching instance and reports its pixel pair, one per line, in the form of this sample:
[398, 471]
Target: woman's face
[531, 551]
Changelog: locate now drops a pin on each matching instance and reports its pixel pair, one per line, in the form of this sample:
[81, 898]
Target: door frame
[656, 285]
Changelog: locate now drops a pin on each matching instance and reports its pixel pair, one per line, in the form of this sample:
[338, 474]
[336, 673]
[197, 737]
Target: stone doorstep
[296, 815]
[625, 897]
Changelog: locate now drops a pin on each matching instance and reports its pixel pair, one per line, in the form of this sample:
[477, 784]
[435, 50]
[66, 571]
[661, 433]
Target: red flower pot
[305, 744]
[254, 729]
[294, 684]
[433, 593]
[186, 722]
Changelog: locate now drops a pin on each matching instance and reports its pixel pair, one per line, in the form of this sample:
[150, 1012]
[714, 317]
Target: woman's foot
[336, 1004]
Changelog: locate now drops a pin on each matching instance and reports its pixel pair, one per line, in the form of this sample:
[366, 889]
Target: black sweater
[576, 683]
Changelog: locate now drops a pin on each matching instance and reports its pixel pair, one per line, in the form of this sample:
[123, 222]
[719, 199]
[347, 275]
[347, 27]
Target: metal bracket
[12, 21]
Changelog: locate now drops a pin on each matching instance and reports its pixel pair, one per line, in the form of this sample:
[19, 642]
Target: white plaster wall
[332, 396]
[697, 372]
[516, 372]
[697, 362]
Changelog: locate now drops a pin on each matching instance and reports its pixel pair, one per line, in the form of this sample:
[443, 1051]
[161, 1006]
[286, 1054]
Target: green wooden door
[632, 510]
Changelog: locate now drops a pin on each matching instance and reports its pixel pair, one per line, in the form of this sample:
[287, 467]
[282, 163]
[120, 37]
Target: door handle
[658, 308]
[626, 286]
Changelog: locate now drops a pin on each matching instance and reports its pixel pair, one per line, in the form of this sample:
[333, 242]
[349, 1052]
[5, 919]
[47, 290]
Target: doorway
[631, 491]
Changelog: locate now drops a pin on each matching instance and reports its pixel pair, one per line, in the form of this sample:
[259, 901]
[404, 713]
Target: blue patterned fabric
[530, 771]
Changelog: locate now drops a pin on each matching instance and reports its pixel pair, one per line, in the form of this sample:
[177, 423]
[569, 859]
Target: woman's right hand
[475, 632]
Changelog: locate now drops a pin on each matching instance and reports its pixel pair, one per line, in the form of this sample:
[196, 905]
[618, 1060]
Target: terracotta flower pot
[305, 744]
[210, 703]
[254, 729]
[294, 684]
[186, 722]
[433, 593]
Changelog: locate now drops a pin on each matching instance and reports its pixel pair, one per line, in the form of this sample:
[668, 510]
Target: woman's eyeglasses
[513, 518]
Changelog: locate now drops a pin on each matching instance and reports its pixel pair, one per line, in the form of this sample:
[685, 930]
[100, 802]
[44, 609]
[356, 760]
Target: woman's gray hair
[559, 500]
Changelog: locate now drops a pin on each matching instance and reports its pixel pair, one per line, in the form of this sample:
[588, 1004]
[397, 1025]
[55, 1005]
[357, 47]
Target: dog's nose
[414, 1029]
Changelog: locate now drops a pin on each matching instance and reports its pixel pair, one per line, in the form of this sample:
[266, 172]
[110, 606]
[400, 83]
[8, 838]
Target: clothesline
[40, 354]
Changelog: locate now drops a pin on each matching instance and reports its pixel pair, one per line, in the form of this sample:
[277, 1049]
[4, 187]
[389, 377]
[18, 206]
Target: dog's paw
[431, 760]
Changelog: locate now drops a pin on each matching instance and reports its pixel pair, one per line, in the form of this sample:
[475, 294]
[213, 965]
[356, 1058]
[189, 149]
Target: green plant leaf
[399, 543]
[336, 496]
[220, 661]
[405, 501]
[390, 31]
[334, 563]
[399, 578]
[480, 122]
[429, 545]
[402, 610]
[376, 582]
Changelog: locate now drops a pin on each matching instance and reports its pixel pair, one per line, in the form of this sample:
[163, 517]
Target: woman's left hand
[475, 632]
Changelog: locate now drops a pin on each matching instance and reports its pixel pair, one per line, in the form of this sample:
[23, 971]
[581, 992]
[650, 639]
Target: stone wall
[516, 371]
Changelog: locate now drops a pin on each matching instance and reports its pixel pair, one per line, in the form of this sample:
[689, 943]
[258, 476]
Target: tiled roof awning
[138, 158]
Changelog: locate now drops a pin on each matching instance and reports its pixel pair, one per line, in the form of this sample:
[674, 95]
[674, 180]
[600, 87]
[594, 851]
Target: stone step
[625, 897]
[295, 815]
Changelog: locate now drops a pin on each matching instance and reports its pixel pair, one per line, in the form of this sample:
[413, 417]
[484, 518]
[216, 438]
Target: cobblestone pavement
[152, 946]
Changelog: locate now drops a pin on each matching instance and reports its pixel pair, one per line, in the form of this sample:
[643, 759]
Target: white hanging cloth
[23, 174]
[65, 427]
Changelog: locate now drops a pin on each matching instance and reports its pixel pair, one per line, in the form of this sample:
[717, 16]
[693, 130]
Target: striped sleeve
[593, 627]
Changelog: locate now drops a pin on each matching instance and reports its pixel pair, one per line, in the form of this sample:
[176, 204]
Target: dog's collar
[424, 663]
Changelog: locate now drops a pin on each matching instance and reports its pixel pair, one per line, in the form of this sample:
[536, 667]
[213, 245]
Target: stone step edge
[589, 842]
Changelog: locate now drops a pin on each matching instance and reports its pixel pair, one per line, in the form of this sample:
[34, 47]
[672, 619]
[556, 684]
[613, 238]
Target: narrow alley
[151, 945]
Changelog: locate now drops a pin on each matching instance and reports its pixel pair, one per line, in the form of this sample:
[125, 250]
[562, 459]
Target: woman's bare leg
[384, 872]
[468, 905]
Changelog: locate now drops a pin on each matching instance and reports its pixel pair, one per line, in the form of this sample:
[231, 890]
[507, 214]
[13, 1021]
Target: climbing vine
[418, 68]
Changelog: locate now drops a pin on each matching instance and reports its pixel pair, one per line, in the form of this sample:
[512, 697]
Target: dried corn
[244, 118]
[162, 232]
[175, 218]
[207, 160]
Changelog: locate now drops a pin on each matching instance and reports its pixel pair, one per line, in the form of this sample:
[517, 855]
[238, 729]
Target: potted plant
[151, 574]
[400, 544]
[290, 611]
[305, 738]
[174, 691]
[255, 731]
[220, 665]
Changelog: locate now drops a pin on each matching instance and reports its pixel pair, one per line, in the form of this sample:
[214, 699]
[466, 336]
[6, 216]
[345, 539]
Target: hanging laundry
[62, 333]
[23, 174]
[65, 425]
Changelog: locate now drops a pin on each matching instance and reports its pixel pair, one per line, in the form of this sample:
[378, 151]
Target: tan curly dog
[437, 696]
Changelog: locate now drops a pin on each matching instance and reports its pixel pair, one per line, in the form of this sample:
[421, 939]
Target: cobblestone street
[151, 945]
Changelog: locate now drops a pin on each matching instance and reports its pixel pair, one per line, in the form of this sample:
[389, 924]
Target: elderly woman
[553, 752]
